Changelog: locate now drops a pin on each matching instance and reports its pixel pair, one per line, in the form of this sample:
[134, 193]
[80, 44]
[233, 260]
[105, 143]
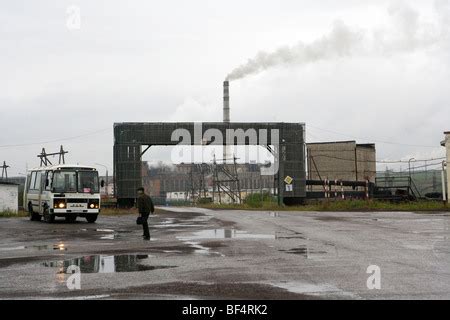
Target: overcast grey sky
[166, 60]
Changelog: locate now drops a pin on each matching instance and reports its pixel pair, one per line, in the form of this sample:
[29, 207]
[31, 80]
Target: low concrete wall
[9, 194]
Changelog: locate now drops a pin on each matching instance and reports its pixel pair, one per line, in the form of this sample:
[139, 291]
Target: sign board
[289, 187]
[288, 179]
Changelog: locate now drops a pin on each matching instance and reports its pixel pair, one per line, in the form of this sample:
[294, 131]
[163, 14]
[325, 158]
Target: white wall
[9, 197]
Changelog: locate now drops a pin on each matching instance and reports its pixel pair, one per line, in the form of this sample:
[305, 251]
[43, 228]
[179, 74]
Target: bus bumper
[63, 212]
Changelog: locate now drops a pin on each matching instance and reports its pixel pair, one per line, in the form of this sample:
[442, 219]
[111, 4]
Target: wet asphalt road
[205, 254]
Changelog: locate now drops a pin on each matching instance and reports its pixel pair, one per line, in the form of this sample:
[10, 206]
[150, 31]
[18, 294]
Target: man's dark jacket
[145, 204]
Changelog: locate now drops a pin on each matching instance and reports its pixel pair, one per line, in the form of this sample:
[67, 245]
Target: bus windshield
[88, 182]
[72, 181]
[64, 181]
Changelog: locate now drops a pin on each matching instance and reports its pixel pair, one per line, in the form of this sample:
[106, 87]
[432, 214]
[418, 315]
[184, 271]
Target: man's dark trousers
[145, 225]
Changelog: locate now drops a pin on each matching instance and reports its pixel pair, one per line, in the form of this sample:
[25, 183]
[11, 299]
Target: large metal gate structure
[286, 141]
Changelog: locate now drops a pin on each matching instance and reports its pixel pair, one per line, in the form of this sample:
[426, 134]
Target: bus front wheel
[48, 217]
[34, 216]
[91, 218]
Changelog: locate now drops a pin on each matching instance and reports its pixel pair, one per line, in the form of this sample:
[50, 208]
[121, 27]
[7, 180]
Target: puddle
[199, 249]
[321, 289]
[106, 264]
[174, 225]
[290, 235]
[226, 234]
[104, 230]
[109, 237]
[13, 248]
[58, 246]
[303, 251]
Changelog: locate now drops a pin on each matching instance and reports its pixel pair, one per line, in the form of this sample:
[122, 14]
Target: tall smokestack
[226, 116]
[226, 101]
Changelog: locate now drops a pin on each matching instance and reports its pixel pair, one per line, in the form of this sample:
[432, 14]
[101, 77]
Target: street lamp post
[444, 195]
[106, 186]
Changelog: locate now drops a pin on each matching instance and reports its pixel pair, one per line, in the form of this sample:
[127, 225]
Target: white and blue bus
[68, 191]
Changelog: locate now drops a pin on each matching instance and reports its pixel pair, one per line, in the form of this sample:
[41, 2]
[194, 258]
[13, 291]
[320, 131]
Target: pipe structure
[226, 117]
[226, 101]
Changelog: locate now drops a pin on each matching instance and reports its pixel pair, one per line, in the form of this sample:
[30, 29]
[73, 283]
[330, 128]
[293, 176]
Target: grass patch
[10, 214]
[345, 205]
[124, 211]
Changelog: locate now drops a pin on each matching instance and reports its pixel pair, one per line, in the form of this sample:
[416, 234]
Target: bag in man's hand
[139, 220]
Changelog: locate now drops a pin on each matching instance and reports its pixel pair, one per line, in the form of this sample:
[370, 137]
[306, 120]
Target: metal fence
[424, 183]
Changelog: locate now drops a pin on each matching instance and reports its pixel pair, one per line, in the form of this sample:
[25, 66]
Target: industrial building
[187, 182]
[296, 162]
[129, 139]
[341, 160]
[9, 197]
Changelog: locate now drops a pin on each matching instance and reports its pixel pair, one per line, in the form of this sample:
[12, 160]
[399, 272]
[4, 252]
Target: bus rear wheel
[91, 218]
[34, 216]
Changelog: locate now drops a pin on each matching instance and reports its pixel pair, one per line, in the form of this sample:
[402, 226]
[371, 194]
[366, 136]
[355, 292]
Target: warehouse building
[341, 160]
[9, 197]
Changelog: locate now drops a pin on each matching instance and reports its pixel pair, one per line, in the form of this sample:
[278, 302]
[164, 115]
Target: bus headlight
[59, 204]
[94, 204]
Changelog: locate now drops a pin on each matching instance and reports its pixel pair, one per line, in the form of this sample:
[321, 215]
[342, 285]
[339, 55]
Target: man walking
[145, 207]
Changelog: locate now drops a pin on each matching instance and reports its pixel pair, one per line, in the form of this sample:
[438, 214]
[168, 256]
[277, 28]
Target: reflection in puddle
[199, 249]
[303, 251]
[58, 246]
[105, 264]
[226, 234]
[109, 237]
[13, 248]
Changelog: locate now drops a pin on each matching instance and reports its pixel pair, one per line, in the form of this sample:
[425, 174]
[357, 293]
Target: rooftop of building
[8, 183]
[362, 145]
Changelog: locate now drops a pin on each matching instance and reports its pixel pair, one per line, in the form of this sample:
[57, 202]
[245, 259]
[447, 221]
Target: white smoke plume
[406, 33]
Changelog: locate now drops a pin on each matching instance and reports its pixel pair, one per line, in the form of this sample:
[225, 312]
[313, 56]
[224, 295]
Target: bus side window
[33, 180]
[28, 181]
[43, 178]
[37, 183]
[48, 181]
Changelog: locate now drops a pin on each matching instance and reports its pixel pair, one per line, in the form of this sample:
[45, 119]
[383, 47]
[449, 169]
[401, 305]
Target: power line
[52, 141]
[373, 140]
[427, 165]
[376, 161]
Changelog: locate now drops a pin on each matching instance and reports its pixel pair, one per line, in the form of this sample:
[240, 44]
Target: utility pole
[45, 161]
[444, 196]
[5, 170]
